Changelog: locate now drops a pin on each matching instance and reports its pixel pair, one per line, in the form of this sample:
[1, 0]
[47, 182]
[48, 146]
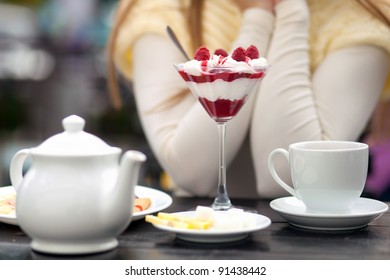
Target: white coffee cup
[328, 176]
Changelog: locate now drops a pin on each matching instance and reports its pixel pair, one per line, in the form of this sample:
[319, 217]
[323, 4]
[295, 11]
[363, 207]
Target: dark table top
[279, 241]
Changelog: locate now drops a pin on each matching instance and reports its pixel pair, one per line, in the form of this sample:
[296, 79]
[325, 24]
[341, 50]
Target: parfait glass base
[226, 204]
[218, 206]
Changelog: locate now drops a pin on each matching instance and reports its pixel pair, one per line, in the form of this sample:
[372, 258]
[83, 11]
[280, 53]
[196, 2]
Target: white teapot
[75, 197]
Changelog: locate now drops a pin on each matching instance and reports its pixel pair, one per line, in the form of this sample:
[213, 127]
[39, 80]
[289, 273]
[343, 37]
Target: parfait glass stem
[222, 201]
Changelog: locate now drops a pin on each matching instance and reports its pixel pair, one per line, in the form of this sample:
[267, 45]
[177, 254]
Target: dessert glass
[223, 91]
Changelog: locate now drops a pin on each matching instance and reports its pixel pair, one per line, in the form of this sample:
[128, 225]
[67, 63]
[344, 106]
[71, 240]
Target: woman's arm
[333, 104]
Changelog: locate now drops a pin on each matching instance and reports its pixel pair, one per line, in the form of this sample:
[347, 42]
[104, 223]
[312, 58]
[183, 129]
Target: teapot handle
[16, 167]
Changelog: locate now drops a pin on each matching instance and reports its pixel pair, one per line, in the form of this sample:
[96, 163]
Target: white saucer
[363, 211]
[159, 201]
[216, 235]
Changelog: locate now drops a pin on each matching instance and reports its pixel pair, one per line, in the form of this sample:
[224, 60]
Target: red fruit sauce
[222, 110]
[226, 76]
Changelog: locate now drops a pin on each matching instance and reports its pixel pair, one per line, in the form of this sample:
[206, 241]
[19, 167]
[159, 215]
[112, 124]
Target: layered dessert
[223, 82]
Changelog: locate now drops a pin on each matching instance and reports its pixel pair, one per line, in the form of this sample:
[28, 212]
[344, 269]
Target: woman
[330, 61]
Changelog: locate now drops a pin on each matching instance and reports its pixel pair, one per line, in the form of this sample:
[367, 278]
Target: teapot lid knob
[74, 141]
[73, 123]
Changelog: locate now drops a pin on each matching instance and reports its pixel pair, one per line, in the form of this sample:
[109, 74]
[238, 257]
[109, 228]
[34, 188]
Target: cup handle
[16, 167]
[275, 175]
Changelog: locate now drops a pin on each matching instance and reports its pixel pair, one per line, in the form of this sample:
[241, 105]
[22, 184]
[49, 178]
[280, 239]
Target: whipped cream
[197, 68]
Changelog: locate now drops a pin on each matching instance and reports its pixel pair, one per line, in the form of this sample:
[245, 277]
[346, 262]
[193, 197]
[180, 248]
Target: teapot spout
[123, 192]
[129, 170]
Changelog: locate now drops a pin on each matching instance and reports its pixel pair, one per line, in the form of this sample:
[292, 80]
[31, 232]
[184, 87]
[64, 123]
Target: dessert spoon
[174, 39]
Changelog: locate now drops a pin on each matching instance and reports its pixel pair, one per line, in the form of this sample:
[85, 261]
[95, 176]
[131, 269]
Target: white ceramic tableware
[328, 176]
[159, 201]
[216, 235]
[362, 212]
[9, 218]
[76, 196]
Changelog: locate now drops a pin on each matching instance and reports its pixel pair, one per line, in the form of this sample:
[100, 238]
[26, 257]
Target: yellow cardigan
[334, 24]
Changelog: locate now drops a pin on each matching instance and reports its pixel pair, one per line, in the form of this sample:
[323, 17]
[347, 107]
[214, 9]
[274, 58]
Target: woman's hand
[267, 5]
[276, 2]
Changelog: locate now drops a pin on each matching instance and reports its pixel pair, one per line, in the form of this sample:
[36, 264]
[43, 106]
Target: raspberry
[239, 54]
[252, 52]
[221, 52]
[202, 53]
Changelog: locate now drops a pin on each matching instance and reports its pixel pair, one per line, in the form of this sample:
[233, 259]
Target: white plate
[8, 218]
[363, 211]
[216, 235]
[159, 201]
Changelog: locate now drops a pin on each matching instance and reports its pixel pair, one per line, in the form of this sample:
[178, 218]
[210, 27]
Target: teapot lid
[74, 141]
